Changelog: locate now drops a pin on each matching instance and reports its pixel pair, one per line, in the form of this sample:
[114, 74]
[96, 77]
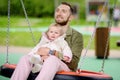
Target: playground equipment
[7, 69]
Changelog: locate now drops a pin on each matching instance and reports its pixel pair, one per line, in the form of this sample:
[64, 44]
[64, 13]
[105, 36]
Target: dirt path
[14, 49]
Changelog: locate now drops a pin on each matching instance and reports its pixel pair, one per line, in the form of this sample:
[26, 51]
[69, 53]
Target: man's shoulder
[75, 32]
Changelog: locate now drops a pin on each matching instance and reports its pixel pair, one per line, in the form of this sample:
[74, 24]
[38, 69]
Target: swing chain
[8, 29]
[8, 32]
[106, 48]
[108, 38]
[33, 38]
[93, 34]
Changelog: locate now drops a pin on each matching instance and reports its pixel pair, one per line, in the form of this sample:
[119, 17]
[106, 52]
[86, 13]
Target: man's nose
[59, 12]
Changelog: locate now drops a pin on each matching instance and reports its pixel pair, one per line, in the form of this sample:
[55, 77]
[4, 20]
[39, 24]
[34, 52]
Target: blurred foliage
[40, 8]
[36, 8]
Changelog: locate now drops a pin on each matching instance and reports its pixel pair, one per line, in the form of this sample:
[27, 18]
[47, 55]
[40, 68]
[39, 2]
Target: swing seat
[6, 70]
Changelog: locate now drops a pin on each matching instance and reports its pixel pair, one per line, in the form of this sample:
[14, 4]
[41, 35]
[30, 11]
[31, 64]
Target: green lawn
[17, 21]
[23, 38]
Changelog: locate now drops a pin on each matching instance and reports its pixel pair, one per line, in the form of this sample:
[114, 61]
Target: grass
[24, 38]
[17, 21]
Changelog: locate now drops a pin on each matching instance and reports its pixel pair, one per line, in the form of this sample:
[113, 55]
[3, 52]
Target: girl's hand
[43, 51]
[44, 57]
[66, 58]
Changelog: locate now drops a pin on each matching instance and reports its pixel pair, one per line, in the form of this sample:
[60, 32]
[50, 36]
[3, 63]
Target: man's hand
[44, 51]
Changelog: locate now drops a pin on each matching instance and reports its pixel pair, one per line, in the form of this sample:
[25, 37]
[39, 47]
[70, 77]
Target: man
[53, 64]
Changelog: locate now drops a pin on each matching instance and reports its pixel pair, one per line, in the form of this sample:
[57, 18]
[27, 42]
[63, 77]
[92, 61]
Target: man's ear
[71, 17]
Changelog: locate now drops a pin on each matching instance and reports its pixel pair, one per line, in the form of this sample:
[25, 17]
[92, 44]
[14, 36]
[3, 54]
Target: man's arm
[76, 44]
[77, 48]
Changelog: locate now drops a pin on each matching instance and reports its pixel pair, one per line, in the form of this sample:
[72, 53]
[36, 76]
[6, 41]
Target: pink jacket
[58, 44]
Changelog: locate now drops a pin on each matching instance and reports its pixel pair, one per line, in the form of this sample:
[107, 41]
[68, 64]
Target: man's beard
[63, 22]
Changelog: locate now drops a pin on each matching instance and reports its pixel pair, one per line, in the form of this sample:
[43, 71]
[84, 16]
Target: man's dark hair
[71, 8]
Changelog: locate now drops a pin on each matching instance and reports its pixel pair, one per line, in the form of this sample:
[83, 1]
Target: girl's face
[53, 33]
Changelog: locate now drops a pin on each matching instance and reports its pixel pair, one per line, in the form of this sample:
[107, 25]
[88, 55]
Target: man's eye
[64, 11]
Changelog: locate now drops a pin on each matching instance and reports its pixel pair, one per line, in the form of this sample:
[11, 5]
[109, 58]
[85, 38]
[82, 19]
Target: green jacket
[75, 41]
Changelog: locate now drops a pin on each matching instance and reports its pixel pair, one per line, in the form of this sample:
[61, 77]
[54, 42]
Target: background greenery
[40, 8]
[40, 15]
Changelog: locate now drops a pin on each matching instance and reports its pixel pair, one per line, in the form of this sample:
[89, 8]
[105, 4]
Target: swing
[7, 69]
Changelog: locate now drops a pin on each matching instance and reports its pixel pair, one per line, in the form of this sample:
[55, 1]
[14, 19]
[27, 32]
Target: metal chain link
[8, 29]
[8, 32]
[33, 38]
[106, 48]
[108, 39]
[93, 34]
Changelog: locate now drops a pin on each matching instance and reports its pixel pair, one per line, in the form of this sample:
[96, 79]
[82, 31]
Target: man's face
[62, 14]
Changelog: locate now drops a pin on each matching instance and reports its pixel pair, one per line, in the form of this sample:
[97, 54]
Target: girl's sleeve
[66, 50]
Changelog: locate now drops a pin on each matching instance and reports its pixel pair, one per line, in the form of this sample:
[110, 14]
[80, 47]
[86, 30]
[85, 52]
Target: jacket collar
[69, 31]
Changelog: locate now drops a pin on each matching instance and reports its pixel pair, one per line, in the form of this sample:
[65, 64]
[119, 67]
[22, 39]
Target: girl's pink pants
[51, 65]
